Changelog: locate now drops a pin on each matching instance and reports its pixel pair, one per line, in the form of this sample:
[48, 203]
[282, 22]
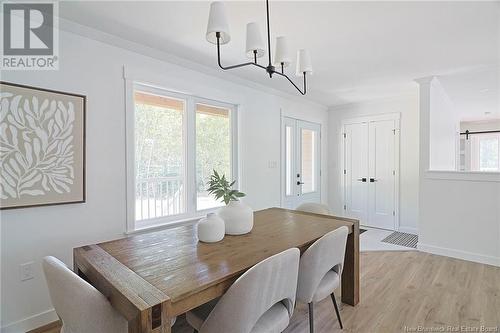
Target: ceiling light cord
[268, 36]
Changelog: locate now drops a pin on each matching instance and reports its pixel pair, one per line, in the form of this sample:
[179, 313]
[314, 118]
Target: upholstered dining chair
[312, 207]
[80, 306]
[260, 300]
[320, 271]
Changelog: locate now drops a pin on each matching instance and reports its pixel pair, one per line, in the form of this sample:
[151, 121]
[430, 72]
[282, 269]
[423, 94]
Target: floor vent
[402, 239]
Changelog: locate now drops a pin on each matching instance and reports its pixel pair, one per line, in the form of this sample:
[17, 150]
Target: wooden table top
[175, 263]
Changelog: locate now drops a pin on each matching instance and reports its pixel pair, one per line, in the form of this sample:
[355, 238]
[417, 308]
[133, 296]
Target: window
[178, 141]
[485, 151]
[159, 156]
[213, 150]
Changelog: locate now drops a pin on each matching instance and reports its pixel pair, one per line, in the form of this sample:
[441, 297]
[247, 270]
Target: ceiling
[360, 50]
[474, 93]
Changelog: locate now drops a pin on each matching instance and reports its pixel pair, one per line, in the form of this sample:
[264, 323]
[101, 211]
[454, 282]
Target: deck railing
[158, 197]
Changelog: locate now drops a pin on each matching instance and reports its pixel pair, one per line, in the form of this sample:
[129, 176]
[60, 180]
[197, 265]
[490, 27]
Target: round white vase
[238, 218]
[211, 228]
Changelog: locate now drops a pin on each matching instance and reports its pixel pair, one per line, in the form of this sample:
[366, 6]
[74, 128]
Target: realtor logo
[29, 37]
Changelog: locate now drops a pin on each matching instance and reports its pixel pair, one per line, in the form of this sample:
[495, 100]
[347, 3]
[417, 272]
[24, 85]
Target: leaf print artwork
[41, 146]
[36, 139]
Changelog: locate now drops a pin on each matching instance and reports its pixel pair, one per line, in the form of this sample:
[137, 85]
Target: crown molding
[113, 40]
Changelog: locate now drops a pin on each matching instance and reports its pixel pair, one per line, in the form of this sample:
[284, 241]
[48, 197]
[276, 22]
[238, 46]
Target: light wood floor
[406, 289]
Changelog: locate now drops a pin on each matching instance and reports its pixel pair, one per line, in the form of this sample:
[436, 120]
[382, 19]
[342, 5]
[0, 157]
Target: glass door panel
[308, 160]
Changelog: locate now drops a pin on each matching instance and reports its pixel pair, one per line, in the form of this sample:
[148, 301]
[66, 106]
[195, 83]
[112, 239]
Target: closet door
[382, 172]
[356, 171]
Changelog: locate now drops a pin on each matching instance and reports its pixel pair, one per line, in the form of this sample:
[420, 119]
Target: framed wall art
[42, 146]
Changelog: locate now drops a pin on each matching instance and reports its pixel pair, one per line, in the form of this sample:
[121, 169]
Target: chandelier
[218, 33]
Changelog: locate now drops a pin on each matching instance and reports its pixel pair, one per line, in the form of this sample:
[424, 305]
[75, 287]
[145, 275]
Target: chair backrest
[271, 281]
[312, 207]
[325, 254]
[80, 306]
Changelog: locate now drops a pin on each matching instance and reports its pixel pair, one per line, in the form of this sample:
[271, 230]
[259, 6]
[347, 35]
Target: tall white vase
[211, 228]
[238, 218]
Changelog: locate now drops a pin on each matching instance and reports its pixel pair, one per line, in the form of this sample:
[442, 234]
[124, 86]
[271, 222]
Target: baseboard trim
[459, 254]
[32, 322]
[408, 230]
[55, 325]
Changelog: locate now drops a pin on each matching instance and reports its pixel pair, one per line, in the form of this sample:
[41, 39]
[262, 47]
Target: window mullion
[190, 149]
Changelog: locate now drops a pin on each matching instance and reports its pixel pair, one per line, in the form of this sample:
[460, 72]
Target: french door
[302, 162]
[371, 161]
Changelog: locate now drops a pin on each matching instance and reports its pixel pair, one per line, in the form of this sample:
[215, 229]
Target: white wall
[459, 211]
[460, 218]
[95, 69]
[483, 125]
[407, 106]
[443, 129]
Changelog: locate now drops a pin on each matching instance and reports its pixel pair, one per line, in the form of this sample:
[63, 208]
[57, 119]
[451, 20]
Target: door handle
[373, 180]
[362, 180]
[299, 182]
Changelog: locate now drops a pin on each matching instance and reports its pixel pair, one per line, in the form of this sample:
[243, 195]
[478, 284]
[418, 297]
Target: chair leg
[336, 310]
[311, 318]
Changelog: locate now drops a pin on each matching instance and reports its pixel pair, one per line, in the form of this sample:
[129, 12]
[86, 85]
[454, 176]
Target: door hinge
[394, 131]
[393, 172]
[345, 135]
[345, 207]
[345, 172]
[393, 213]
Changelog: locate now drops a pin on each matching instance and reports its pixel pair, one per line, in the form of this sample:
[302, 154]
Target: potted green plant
[237, 216]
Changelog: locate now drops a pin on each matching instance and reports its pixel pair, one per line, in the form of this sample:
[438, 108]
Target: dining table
[153, 276]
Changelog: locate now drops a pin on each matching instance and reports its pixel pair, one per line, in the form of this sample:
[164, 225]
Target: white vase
[211, 228]
[238, 218]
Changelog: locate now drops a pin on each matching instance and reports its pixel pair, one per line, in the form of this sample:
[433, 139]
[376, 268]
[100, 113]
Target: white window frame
[189, 133]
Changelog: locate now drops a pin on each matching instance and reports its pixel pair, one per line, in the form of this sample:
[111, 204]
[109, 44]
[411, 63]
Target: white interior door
[381, 185]
[356, 171]
[302, 162]
[371, 162]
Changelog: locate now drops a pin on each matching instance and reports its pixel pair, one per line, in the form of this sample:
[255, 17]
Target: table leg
[350, 274]
[152, 320]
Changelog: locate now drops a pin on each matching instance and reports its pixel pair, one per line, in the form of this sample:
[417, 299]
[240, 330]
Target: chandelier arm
[233, 66]
[293, 83]
[270, 68]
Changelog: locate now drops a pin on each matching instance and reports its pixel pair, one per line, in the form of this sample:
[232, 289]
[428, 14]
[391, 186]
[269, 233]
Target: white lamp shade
[254, 41]
[303, 62]
[282, 53]
[217, 22]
